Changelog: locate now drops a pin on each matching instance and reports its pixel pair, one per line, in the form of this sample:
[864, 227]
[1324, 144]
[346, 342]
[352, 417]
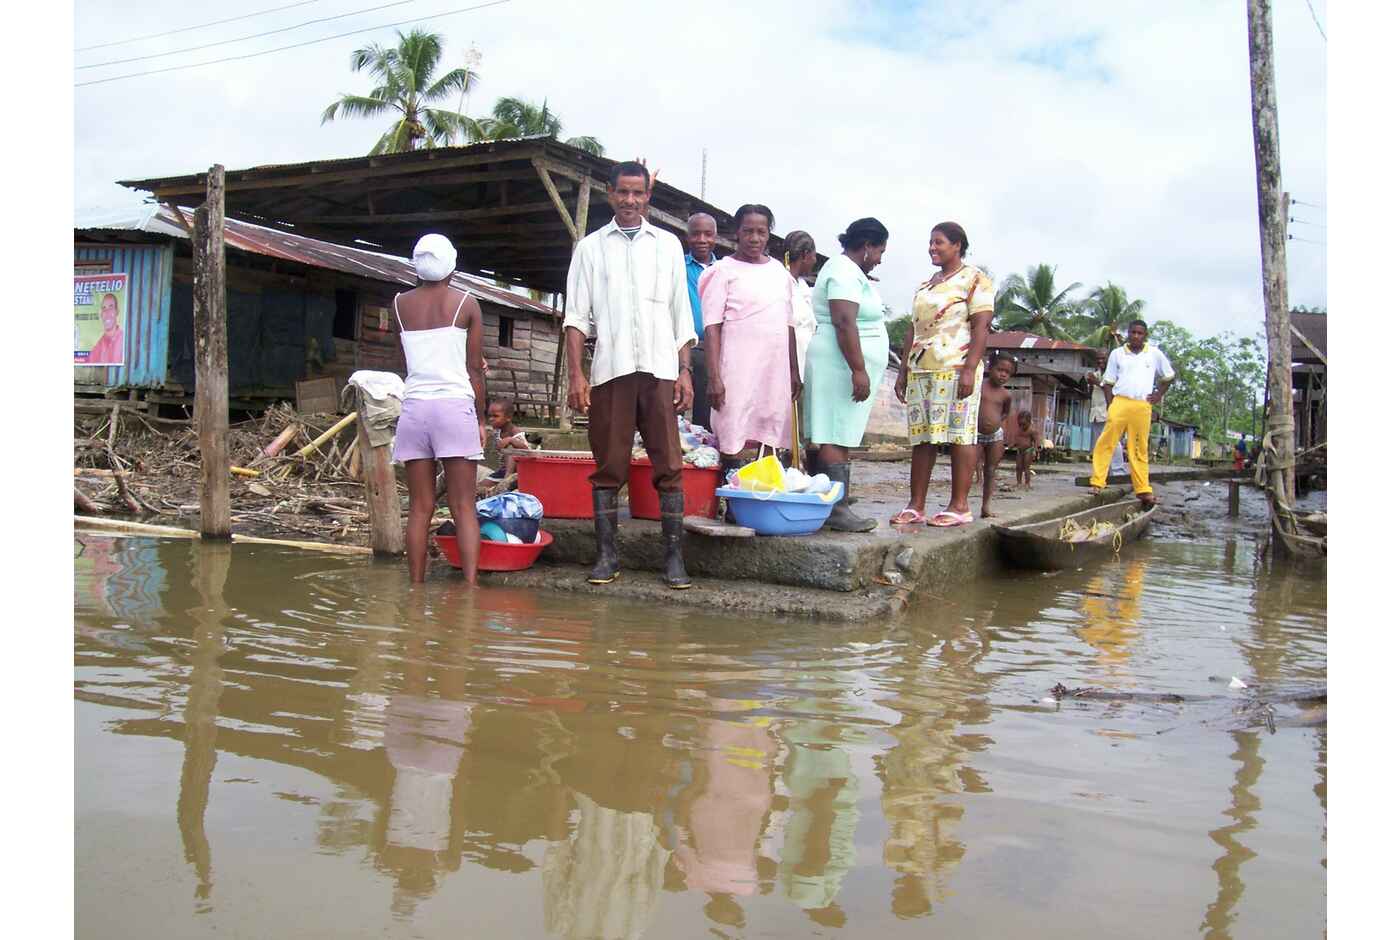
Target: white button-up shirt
[632, 295]
[1134, 375]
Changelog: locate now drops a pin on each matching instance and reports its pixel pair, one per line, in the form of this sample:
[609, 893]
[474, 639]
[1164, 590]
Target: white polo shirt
[1134, 375]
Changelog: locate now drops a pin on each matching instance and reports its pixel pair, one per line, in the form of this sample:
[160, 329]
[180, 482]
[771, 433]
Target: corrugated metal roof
[1018, 339]
[274, 243]
[1314, 327]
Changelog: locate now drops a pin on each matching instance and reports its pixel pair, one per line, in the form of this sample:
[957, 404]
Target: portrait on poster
[99, 319]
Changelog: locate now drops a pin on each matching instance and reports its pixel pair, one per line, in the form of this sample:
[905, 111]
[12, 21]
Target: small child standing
[1024, 440]
[991, 433]
[500, 415]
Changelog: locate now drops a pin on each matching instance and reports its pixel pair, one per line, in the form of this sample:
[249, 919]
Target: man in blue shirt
[700, 239]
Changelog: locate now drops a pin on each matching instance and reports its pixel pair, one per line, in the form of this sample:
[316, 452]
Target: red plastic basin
[559, 483]
[698, 484]
[496, 556]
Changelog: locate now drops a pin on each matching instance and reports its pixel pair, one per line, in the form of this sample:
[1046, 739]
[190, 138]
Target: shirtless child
[992, 412]
[500, 415]
[1024, 440]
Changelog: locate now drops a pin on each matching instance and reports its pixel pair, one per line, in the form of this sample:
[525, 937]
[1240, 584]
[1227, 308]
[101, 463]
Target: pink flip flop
[908, 517]
[957, 519]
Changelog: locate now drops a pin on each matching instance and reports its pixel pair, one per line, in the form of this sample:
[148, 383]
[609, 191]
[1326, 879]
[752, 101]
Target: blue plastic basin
[780, 513]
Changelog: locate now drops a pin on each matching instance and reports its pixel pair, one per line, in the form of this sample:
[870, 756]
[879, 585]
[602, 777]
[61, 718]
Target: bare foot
[988, 514]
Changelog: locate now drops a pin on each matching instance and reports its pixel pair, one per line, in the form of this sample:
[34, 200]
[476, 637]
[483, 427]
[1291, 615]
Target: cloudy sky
[1111, 139]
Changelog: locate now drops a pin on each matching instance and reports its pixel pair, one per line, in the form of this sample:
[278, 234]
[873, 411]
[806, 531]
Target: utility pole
[211, 358]
[704, 166]
[1272, 245]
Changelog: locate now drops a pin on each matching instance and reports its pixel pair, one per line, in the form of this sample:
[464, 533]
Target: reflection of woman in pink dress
[725, 819]
[746, 300]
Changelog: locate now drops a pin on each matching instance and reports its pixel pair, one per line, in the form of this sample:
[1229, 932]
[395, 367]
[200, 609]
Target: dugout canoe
[1037, 545]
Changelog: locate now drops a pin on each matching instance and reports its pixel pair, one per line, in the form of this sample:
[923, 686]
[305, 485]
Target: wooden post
[1272, 239]
[1234, 505]
[211, 359]
[381, 490]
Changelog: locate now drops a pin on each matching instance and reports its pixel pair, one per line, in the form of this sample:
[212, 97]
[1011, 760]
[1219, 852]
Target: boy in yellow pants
[1137, 377]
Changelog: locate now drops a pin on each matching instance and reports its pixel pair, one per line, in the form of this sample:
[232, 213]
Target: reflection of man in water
[111, 346]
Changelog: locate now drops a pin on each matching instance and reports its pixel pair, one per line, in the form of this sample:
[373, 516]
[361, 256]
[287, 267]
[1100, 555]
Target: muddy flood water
[274, 743]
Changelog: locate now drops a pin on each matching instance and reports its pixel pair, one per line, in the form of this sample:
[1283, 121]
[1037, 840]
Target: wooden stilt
[381, 491]
[1233, 511]
[211, 360]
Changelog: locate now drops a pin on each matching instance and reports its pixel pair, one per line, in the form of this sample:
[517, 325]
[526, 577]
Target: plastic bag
[514, 505]
[763, 474]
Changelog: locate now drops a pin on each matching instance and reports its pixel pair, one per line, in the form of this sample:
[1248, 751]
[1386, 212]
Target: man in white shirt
[627, 290]
[1137, 377]
[1098, 411]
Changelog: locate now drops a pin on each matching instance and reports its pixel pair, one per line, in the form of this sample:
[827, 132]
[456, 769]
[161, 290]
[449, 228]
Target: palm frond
[586, 144]
[356, 106]
[457, 80]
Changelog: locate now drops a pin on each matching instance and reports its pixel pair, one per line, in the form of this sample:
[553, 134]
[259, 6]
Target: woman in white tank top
[440, 328]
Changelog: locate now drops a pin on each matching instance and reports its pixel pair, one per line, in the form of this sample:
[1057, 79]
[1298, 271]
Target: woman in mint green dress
[846, 360]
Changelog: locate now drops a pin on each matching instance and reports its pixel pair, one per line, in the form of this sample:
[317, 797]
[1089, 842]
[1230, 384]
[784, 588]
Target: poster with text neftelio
[99, 319]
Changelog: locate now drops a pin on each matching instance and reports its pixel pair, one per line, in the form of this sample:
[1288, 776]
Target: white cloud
[1128, 157]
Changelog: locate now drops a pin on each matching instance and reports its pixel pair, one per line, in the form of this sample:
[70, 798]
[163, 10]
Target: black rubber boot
[607, 568]
[672, 532]
[727, 464]
[842, 519]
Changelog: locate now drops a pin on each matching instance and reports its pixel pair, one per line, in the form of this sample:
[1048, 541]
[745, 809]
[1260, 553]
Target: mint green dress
[828, 414]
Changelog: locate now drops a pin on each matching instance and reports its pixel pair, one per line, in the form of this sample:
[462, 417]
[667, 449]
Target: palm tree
[406, 90]
[1106, 316]
[1033, 304]
[516, 117]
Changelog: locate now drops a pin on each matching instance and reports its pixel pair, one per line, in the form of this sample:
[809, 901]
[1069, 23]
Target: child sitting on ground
[992, 413]
[1025, 442]
[500, 414]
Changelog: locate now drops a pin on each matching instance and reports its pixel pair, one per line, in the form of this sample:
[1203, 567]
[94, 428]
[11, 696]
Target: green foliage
[1035, 304]
[516, 117]
[406, 91]
[898, 330]
[1102, 321]
[1219, 380]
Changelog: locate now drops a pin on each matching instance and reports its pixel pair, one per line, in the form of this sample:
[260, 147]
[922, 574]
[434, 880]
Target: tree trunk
[211, 360]
[1272, 239]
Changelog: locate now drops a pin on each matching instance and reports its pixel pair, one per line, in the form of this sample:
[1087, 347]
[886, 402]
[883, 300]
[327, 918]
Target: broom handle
[797, 455]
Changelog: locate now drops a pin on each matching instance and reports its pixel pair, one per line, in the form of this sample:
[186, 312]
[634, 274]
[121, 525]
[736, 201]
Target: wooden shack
[298, 309]
[1050, 384]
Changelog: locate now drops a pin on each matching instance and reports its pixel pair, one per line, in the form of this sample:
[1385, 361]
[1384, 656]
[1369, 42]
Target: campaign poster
[99, 319]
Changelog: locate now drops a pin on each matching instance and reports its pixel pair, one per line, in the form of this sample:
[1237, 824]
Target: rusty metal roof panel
[1019, 339]
[300, 249]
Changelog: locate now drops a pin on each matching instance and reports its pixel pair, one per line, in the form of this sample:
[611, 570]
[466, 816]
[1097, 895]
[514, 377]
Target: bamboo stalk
[244, 472]
[335, 429]
[165, 531]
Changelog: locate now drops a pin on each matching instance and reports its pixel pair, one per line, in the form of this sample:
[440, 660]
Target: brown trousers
[636, 402]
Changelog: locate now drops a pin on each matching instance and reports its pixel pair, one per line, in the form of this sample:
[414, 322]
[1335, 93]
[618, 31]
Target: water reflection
[624, 759]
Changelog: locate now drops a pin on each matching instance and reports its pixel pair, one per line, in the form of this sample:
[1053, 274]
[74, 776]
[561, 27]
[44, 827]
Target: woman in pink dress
[746, 300]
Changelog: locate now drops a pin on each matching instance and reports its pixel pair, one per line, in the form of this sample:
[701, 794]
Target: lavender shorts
[434, 428]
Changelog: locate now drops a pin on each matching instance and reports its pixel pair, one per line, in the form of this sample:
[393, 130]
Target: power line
[1306, 222]
[187, 29]
[225, 42]
[1311, 205]
[1308, 241]
[298, 45]
[1315, 22]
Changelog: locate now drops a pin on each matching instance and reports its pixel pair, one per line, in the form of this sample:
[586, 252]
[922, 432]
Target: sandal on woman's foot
[907, 516]
[947, 519]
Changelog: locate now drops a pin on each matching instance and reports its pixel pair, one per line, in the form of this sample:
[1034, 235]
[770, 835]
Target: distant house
[298, 308]
[1309, 378]
[1178, 438]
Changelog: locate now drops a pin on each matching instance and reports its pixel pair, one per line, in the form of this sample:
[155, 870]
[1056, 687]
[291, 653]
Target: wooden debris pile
[292, 473]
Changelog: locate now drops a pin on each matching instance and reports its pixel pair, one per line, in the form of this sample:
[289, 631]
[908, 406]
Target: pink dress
[753, 304]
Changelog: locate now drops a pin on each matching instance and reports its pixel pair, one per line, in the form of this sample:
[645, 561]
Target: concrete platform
[826, 575]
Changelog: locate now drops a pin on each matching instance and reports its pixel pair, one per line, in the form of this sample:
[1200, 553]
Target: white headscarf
[434, 258]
